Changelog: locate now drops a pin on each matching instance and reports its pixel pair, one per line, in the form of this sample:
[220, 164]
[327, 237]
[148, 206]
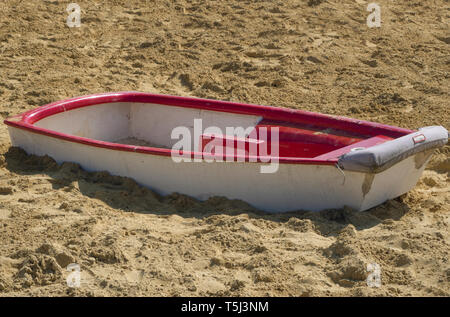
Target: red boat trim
[26, 121]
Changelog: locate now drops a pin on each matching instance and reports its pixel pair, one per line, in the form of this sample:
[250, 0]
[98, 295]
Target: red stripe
[349, 125]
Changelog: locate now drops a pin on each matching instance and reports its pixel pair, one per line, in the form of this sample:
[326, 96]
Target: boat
[276, 159]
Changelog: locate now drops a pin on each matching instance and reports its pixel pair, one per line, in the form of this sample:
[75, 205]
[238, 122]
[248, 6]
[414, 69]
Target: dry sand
[313, 55]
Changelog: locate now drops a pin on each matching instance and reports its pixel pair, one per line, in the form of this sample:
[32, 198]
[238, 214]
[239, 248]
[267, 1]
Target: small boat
[276, 159]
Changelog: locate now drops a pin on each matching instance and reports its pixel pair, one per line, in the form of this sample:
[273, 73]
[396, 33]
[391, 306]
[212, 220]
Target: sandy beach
[314, 55]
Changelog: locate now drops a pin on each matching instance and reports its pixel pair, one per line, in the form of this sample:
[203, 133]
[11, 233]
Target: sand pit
[314, 55]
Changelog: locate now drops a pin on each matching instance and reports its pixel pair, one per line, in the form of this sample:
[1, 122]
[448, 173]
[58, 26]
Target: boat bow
[380, 157]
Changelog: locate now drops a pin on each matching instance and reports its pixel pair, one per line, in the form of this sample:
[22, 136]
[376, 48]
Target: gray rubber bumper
[380, 157]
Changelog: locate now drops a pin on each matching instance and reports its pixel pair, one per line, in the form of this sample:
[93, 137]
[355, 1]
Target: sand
[312, 55]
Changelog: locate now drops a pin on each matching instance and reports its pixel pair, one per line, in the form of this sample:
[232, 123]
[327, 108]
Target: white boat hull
[292, 187]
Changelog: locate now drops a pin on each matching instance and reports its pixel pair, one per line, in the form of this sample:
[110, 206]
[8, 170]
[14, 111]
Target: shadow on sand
[125, 194]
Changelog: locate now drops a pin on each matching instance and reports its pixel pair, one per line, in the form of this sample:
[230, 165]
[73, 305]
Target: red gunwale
[26, 120]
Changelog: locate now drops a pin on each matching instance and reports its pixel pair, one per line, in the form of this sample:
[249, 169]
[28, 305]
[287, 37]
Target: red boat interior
[303, 137]
[294, 140]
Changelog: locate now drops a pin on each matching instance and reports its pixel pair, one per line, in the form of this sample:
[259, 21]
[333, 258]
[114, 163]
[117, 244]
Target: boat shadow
[125, 194]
